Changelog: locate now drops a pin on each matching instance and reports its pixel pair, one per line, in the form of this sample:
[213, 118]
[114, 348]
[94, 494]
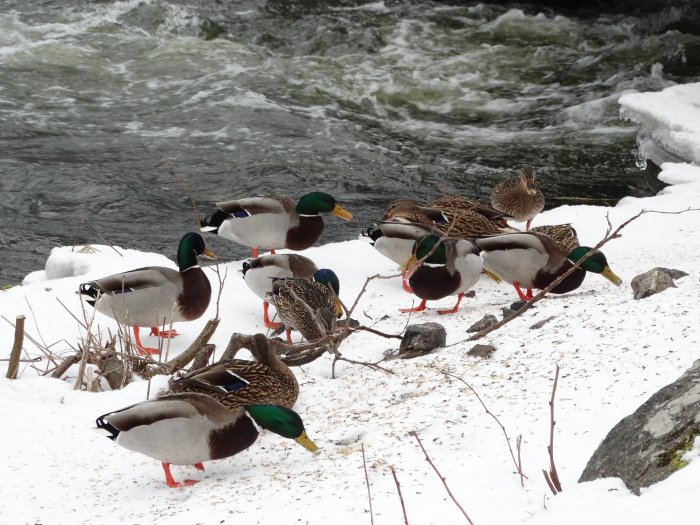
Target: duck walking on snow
[155, 296]
[450, 267]
[190, 428]
[272, 222]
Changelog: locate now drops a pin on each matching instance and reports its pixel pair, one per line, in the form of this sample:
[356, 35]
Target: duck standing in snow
[535, 260]
[190, 428]
[258, 274]
[449, 267]
[155, 296]
[273, 222]
[519, 197]
[308, 306]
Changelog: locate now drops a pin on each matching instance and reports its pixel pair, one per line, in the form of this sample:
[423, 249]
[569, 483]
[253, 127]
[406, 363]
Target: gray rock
[483, 323]
[673, 274]
[650, 283]
[648, 446]
[484, 351]
[422, 338]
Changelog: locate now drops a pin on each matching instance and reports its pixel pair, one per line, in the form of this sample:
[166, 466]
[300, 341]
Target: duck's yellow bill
[209, 253]
[409, 264]
[341, 212]
[338, 308]
[610, 276]
[491, 275]
[305, 442]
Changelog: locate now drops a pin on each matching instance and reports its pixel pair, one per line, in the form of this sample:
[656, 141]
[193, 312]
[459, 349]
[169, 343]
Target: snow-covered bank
[614, 352]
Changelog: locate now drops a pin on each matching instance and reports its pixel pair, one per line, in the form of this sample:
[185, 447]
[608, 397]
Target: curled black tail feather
[106, 425]
[214, 221]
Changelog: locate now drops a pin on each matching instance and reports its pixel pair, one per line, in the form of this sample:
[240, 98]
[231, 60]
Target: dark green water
[101, 101]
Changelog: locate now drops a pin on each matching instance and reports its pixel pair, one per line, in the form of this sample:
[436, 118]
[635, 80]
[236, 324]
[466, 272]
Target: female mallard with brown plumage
[190, 428]
[448, 267]
[459, 202]
[155, 296]
[271, 222]
[308, 306]
[563, 234]
[258, 274]
[238, 382]
[534, 260]
[519, 197]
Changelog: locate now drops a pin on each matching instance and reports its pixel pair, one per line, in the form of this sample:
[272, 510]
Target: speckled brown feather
[563, 234]
[270, 381]
[299, 303]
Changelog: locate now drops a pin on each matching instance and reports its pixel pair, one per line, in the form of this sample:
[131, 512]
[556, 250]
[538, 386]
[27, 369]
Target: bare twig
[188, 355]
[552, 477]
[85, 221]
[398, 489]
[65, 365]
[516, 462]
[13, 366]
[442, 478]
[369, 494]
[43, 349]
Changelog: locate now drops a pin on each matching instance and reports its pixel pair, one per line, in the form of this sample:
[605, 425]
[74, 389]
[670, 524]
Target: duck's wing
[222, 377]
[274, 204]
[140, 279]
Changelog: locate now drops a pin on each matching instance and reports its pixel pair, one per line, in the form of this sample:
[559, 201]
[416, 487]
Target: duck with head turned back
[155, 295]
[534, 260]
[239, 382]
[519, 197]
[448, 267]
[272, 222]
[258, 274]
[190, 428]
[308, 306]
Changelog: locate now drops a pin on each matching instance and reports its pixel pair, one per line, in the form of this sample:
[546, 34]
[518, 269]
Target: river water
[111, 113]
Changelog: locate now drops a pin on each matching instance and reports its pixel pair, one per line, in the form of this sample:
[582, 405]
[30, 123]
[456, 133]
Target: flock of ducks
[443, 247]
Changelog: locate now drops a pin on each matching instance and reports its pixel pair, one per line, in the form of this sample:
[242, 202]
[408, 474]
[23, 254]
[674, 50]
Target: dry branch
[369, 494]
[197, 345]
[442, 478]
[13, 366]
[398, 489]
[516, 462]
[552, 477]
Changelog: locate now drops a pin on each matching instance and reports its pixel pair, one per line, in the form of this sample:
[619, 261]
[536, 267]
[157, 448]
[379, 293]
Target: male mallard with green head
[258, 274]
[272, 222]
[534, 260]
[155, 296]
[448, 267]
[519, 197]
[190, 428]
[238, 382]
[308, 306]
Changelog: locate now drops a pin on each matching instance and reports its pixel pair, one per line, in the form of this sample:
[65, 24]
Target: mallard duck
[155, 296]
[190, 428]
[259, 272]
[395, 240]
[534, 260]
[564, 234]
[450, 267]
[519, 197]
[238, 382]
[273, 222]
[308, 306]
[408, 210]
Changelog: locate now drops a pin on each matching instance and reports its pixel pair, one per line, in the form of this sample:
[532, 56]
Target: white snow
[614, 353]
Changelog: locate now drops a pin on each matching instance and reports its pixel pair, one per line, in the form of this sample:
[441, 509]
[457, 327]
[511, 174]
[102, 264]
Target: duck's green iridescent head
[191, 246]
[282, 421]
[596, 263]
[318, 202]
[425, 245]
[329, 278]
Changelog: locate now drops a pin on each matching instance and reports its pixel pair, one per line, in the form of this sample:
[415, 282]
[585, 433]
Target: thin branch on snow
[551, 477]
[398, 489]
[516, 462]
[442, 478]
[369, 494]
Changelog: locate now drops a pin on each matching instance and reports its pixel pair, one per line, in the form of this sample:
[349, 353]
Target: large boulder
[648, 446]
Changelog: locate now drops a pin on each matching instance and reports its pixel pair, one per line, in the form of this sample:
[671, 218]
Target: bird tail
[211, 224]
[89, 292]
